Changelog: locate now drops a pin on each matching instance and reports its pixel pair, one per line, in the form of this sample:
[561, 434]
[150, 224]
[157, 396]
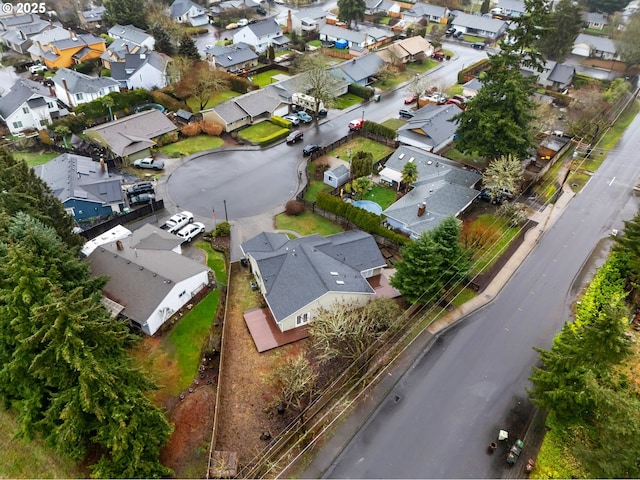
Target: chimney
[66, 89]
[103, 167]
[289, 22]
[422, 208]
[126, 47]
[119, 245]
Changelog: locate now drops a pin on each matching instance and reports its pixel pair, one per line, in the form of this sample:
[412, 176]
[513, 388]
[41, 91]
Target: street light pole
[226, 217]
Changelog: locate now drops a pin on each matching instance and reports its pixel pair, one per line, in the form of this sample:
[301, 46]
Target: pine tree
[187, 47]
[163, 42]
[565, 23]
[351, 10]
[125, 12]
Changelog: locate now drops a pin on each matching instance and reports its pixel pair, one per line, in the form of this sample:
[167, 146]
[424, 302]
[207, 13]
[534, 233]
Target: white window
[17, 124]
[79, 96]
[302, 319]
[25, 109]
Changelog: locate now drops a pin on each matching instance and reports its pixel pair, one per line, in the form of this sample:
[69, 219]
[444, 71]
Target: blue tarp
[342, 43]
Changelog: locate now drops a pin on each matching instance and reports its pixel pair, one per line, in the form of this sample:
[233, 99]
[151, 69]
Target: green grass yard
[307, 223]
[256, 132]
[265, 78]
[381, 195]
[394, 123]
[34, 159]
[215, 99]
[423, 66]
[215, 261]
[191, 145]
[393, 80]
[378, 150]
[347, 100]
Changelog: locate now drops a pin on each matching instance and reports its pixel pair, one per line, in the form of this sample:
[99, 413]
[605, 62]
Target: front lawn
[307, 223]
[394, 123]
[378, 150]
[215, 99]
[393, 80]
[191, 145]
[256, 132]
[215, 261]
[34, 159]
[422, 66]
[347, 100]
[265, 78]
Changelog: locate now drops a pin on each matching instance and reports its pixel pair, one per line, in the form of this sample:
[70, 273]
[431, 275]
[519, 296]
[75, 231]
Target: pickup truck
[514, 452]
[149, 163]
[178, 221]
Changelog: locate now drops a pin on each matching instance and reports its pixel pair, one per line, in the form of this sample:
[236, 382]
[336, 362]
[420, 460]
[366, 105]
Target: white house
[148, 280]
[479, 25]
[133, 35]
[309, 20]
[141, 70]
[424, 11]
[595, 46]
[260, 35]
[28, 105]
[186, 11]
[73, 88]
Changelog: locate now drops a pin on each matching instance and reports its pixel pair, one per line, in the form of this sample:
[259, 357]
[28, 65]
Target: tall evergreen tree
[187, 47]
[627, 43]
[125, 12]
[351, 10]
[163, 40]
[565, 23]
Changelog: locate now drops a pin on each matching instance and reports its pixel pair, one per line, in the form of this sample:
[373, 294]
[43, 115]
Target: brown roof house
[407, 50]
[131, 137]
[149, 279]
[299, 277]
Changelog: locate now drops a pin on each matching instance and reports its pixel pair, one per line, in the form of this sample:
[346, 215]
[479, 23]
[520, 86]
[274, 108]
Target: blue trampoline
[369, 206]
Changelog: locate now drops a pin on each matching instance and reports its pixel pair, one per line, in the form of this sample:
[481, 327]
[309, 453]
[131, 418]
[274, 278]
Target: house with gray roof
[186, 11]
[260, 35]
[357, 40]
[594, 20]
[148, 281]
[337, 175]
[471, 88]
[425, 12]
[231, 58]
[360, 70]
[118, 50]
[512, 8]
[28, 105]
[40, 41]
[308, 20]
[92, 18]
[146, 70]
[443, 189]
[298, 277]
[245, 109]
[132, 35]
[85, 188]
[479, 25]
[73, 88]
[19, 36]
[593, 46]
[382, 6]
[131, 137]
[554, 75]
[431, 128]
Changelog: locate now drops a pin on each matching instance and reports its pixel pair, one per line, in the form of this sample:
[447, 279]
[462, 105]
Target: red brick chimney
[422, 208]
[289, 22]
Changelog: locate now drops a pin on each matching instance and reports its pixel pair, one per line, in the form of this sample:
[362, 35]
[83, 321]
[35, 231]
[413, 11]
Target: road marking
[612, 180]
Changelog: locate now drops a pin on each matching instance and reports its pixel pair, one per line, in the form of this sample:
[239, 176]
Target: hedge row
[360, 91]
[122, 102]
[474, 69]
[169, 102]
[379, 129]
[281, 122]
[273, 137]
[367, 221]
[241, 84]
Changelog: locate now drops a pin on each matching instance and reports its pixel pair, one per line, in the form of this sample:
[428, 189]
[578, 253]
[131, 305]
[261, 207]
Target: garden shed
[336, 176]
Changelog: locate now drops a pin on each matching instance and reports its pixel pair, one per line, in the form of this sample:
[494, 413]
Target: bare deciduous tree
[295, 380]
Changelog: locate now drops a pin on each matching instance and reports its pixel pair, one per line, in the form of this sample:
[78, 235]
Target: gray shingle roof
[228, 56]
[80, 83]
[20, 92]
[602, 44]
[478, 22]
[140, 277]
[132, 134]
[258, 102]
[361, 68]
[445, 187]
[78, 40]
[513, 5]
[180, 7]
[352, 36]
[432, 122]
[264, 28]
[73, 176]
[427, 10]
[94, 14]
[562, 74]
[299, 271]
[130, 33]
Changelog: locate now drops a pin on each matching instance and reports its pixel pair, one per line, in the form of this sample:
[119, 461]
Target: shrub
[167, 138]
[211, 128]
[191, 129]
[241, 84]
[379, 129]
[273, 137]
[168, 102]
[360, 91]
[223, 229]
[293, 208]
[281, 122]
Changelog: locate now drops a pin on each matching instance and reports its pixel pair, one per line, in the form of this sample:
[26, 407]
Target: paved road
[472, 381]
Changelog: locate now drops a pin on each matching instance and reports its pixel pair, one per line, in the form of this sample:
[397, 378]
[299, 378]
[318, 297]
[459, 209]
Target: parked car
[404, 113]
[149, 163]
[438, 55]
[243, 22]
[450, 31]
[261, 11]
[304, 116]
[231, 26]
[456, 102]
[177, 221]
[141, 199]
[140, 187]
[478, 45]
[293, 119]
[322, 112]
[458, 34]
[460, 98]
[356, 124]
[309, 149]
[410, 99]
[190, 232]
[33, 69]
[294, 137]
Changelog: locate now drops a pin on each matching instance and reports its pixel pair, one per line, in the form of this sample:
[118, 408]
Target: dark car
[294, 137]
[478, 45]
[261, 11]
[404, 113]
[141, 199]
[450, 31]
[458, 34]
[309, 149]
[140, 187]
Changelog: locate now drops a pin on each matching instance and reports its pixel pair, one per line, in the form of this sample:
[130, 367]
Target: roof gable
[22, 91]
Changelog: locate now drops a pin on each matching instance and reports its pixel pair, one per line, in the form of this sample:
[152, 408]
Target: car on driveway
[148, 163]
[190, 232]
[261, 11]
[410, 99]
[304, 116]
[309, 149]
[140, 187]
[141, 199]
[293, 119]
[438, 55]
[450, 31]
[294, 137]
[177, 221]
[33, 69]
[404, 113]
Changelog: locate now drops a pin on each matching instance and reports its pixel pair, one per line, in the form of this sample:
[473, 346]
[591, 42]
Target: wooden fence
[124, 218]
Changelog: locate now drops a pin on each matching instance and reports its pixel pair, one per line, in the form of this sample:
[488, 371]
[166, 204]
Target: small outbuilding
[336, 176]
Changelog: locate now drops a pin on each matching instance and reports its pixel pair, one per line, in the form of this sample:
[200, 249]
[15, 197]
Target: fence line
[124, 218]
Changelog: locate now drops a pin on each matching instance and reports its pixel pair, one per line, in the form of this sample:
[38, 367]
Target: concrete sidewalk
[370, 401]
